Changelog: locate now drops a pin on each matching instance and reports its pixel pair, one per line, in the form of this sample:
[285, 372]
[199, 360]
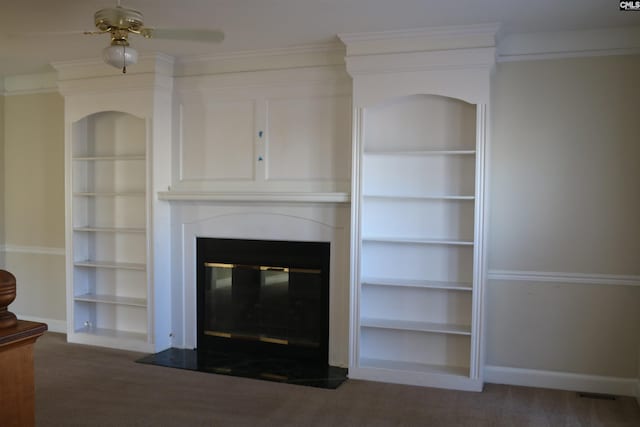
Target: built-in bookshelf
[417, 235]
[109, 283]
[418, 230]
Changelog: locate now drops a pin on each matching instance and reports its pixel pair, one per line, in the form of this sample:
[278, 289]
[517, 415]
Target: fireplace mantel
[256, 197]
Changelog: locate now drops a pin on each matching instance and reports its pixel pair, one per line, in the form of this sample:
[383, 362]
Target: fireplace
[263, 299]
[262, 312]
[240, 265]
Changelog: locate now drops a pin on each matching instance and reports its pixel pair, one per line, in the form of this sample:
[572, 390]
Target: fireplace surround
[262, 312]
[251, 219]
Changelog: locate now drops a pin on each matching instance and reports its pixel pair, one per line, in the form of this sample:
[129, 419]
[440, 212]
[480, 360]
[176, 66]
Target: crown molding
[421, 39]
[335, 75]
[262, 53]
[316, 55]
[92, 68]
[85, 76]
[478, 58]
[569, 44]
[28, 84]
[428, 32]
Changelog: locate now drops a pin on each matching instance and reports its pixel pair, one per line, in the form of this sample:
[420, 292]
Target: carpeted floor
[89, 386]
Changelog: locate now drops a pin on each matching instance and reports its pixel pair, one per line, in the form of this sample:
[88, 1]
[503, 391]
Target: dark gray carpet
[88, 386]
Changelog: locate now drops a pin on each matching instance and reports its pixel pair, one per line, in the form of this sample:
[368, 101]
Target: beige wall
[34, 172]
[34, 202]
[565, 198]
[2, 168]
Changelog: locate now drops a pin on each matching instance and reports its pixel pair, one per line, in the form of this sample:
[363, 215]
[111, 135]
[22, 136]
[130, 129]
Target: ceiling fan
[120, 22]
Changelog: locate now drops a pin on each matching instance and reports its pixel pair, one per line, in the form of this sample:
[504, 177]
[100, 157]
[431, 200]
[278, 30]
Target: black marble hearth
[270, 369]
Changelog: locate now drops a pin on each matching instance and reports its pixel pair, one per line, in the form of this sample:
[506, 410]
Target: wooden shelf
[420, 152]
[449, 286]
[425, 197]
[110, 229]
[413, 367]
[424, 241]
[109, 193]
[240, 196]
[112, 299]
[112, 265]
[110, 158]
[411, 325]
[113, 333]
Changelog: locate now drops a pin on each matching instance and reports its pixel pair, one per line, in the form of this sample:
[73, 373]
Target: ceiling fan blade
[198, 35]
[33, 35]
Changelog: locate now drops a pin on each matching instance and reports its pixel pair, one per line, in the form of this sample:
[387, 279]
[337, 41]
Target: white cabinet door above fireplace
[270, 136]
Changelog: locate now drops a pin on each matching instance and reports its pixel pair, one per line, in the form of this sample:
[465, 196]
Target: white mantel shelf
[255, 197]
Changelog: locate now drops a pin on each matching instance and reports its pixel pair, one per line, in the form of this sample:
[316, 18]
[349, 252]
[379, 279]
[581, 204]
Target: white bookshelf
[418, 241]
[420, 102]
[109, 283]
[117, 233]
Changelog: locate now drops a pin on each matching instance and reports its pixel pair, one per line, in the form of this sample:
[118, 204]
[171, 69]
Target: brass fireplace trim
[247, 337]
[263, 268]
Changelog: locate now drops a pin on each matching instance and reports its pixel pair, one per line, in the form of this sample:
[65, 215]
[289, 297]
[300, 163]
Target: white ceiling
[262, 24]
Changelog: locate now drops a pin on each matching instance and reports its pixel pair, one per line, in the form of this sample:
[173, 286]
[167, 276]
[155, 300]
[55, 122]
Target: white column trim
[564, 277]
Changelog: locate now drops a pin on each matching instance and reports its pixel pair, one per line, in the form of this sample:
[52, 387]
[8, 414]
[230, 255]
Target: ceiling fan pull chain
[124, 57]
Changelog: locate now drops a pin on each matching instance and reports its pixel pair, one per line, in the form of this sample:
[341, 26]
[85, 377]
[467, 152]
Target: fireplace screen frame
[301, 256]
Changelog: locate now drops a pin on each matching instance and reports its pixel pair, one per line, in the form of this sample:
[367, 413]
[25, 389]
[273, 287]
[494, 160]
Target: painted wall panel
[309, 138]
[218, 140]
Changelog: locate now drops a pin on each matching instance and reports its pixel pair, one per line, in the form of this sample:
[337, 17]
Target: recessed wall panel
[217, 140]
[309, 138]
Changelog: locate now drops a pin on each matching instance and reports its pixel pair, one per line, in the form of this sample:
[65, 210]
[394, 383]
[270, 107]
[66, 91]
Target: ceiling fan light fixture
[120, 56]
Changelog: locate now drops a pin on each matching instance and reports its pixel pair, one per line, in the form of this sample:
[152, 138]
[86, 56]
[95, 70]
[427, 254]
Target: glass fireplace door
[271, 304]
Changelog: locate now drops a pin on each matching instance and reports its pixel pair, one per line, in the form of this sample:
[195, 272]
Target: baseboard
[59, 326]
[422, 379]
[562, 381]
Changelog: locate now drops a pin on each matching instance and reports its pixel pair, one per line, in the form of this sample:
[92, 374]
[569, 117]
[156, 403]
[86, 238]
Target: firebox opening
[263, 307]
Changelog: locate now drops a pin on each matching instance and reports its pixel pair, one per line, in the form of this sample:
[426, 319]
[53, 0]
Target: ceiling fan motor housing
[118, 18]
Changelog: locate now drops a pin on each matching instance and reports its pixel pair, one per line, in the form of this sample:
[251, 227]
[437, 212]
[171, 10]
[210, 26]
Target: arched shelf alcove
[107, 247]
[417, 244]
[117, 157]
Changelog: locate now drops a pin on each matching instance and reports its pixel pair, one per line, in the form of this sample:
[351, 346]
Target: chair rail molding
[564, 277]
[34, 250]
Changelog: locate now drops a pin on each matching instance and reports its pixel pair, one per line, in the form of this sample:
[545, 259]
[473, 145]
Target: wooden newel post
[7, 295]
[17, 391]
